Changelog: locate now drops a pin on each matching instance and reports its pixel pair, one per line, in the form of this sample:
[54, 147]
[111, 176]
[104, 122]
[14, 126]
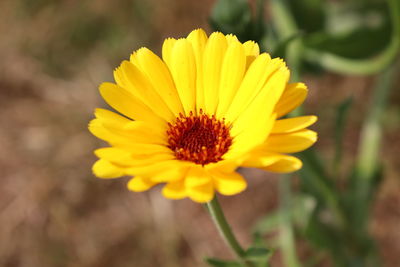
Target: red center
[201, 139]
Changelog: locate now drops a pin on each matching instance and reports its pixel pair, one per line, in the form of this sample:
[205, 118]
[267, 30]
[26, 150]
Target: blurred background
[54, 212]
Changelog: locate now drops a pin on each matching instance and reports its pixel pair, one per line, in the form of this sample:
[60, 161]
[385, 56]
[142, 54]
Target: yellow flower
[190, 119]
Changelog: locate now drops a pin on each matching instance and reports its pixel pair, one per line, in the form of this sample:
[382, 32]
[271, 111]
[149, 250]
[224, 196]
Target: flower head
[190, 119]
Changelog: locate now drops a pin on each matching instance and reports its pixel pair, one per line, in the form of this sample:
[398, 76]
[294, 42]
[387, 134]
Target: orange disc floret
[201, 138]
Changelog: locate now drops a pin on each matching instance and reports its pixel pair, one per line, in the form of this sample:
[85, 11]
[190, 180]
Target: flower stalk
[370, 142]
[225, 230]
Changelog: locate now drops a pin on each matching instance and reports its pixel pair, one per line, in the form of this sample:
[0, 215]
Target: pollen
[201, 138]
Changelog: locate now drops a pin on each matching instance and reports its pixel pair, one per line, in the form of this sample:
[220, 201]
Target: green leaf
[352, 44]
[363, 65]
[350, 26]
[281, 47]
[316, 182]
[309, 14]
[322, 235]
[342, 112]
[303, 207]
[222, 263]
[268, 223]
[258, 254]
[358, 204]
[235, 16]
[258, 240]
[231, 16]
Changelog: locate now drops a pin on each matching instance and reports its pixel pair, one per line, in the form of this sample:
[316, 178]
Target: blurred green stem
[259, 18]
[362, 66]
[286, 27]
[286, 228]
[225, 230]
[371, 132]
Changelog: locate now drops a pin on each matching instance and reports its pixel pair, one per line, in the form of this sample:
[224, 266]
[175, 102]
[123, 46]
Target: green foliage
[235, 16]
[308, 14]
[280, 48]
[351, 27]
[301, 208]
[257, 255]
[222, 263]
[332, 208]
[352, 44]
[342, 113]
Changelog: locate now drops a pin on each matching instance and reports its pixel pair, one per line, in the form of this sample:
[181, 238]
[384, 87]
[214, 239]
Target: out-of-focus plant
[349, 38]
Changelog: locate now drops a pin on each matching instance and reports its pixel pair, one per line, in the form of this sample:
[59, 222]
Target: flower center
[201, 139]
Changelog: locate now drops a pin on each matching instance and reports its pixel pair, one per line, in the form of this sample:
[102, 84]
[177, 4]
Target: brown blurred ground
[53, 212]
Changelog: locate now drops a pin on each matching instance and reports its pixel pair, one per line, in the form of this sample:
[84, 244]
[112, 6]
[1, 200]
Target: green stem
[286, 228]
[225, 230]
[371, 130]
[287, 27]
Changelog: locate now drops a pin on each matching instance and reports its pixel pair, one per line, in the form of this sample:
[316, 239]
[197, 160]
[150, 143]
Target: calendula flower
[190, 119]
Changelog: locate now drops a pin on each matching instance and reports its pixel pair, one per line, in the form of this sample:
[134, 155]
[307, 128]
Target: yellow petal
[119, 77]
[257, 131]
[112, 153]
[201, 194]
[174, 190]
[172, 174]
[140, 86]
[230, 39]
[113, 134]
[122, 157]
[155, 132]
[228, 183]
[251, 85]
[159, 76]
[112, 119]
[110, 116]
[162, 171]
[293, 124]
[142, 148]
[183, 69]
[270, 161]
[291, 142]
[197, 176]
[251, 48]
[212, 62]
[226, 165]
[141, 161]
[105, 169]
[97, 128]
[252, 51]
[260, 158]
[233, 68]
[198, 39]
[140, 184]
[292, 97]
[129, 105]
[255, 123]
[285, 164]
[167, 50]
